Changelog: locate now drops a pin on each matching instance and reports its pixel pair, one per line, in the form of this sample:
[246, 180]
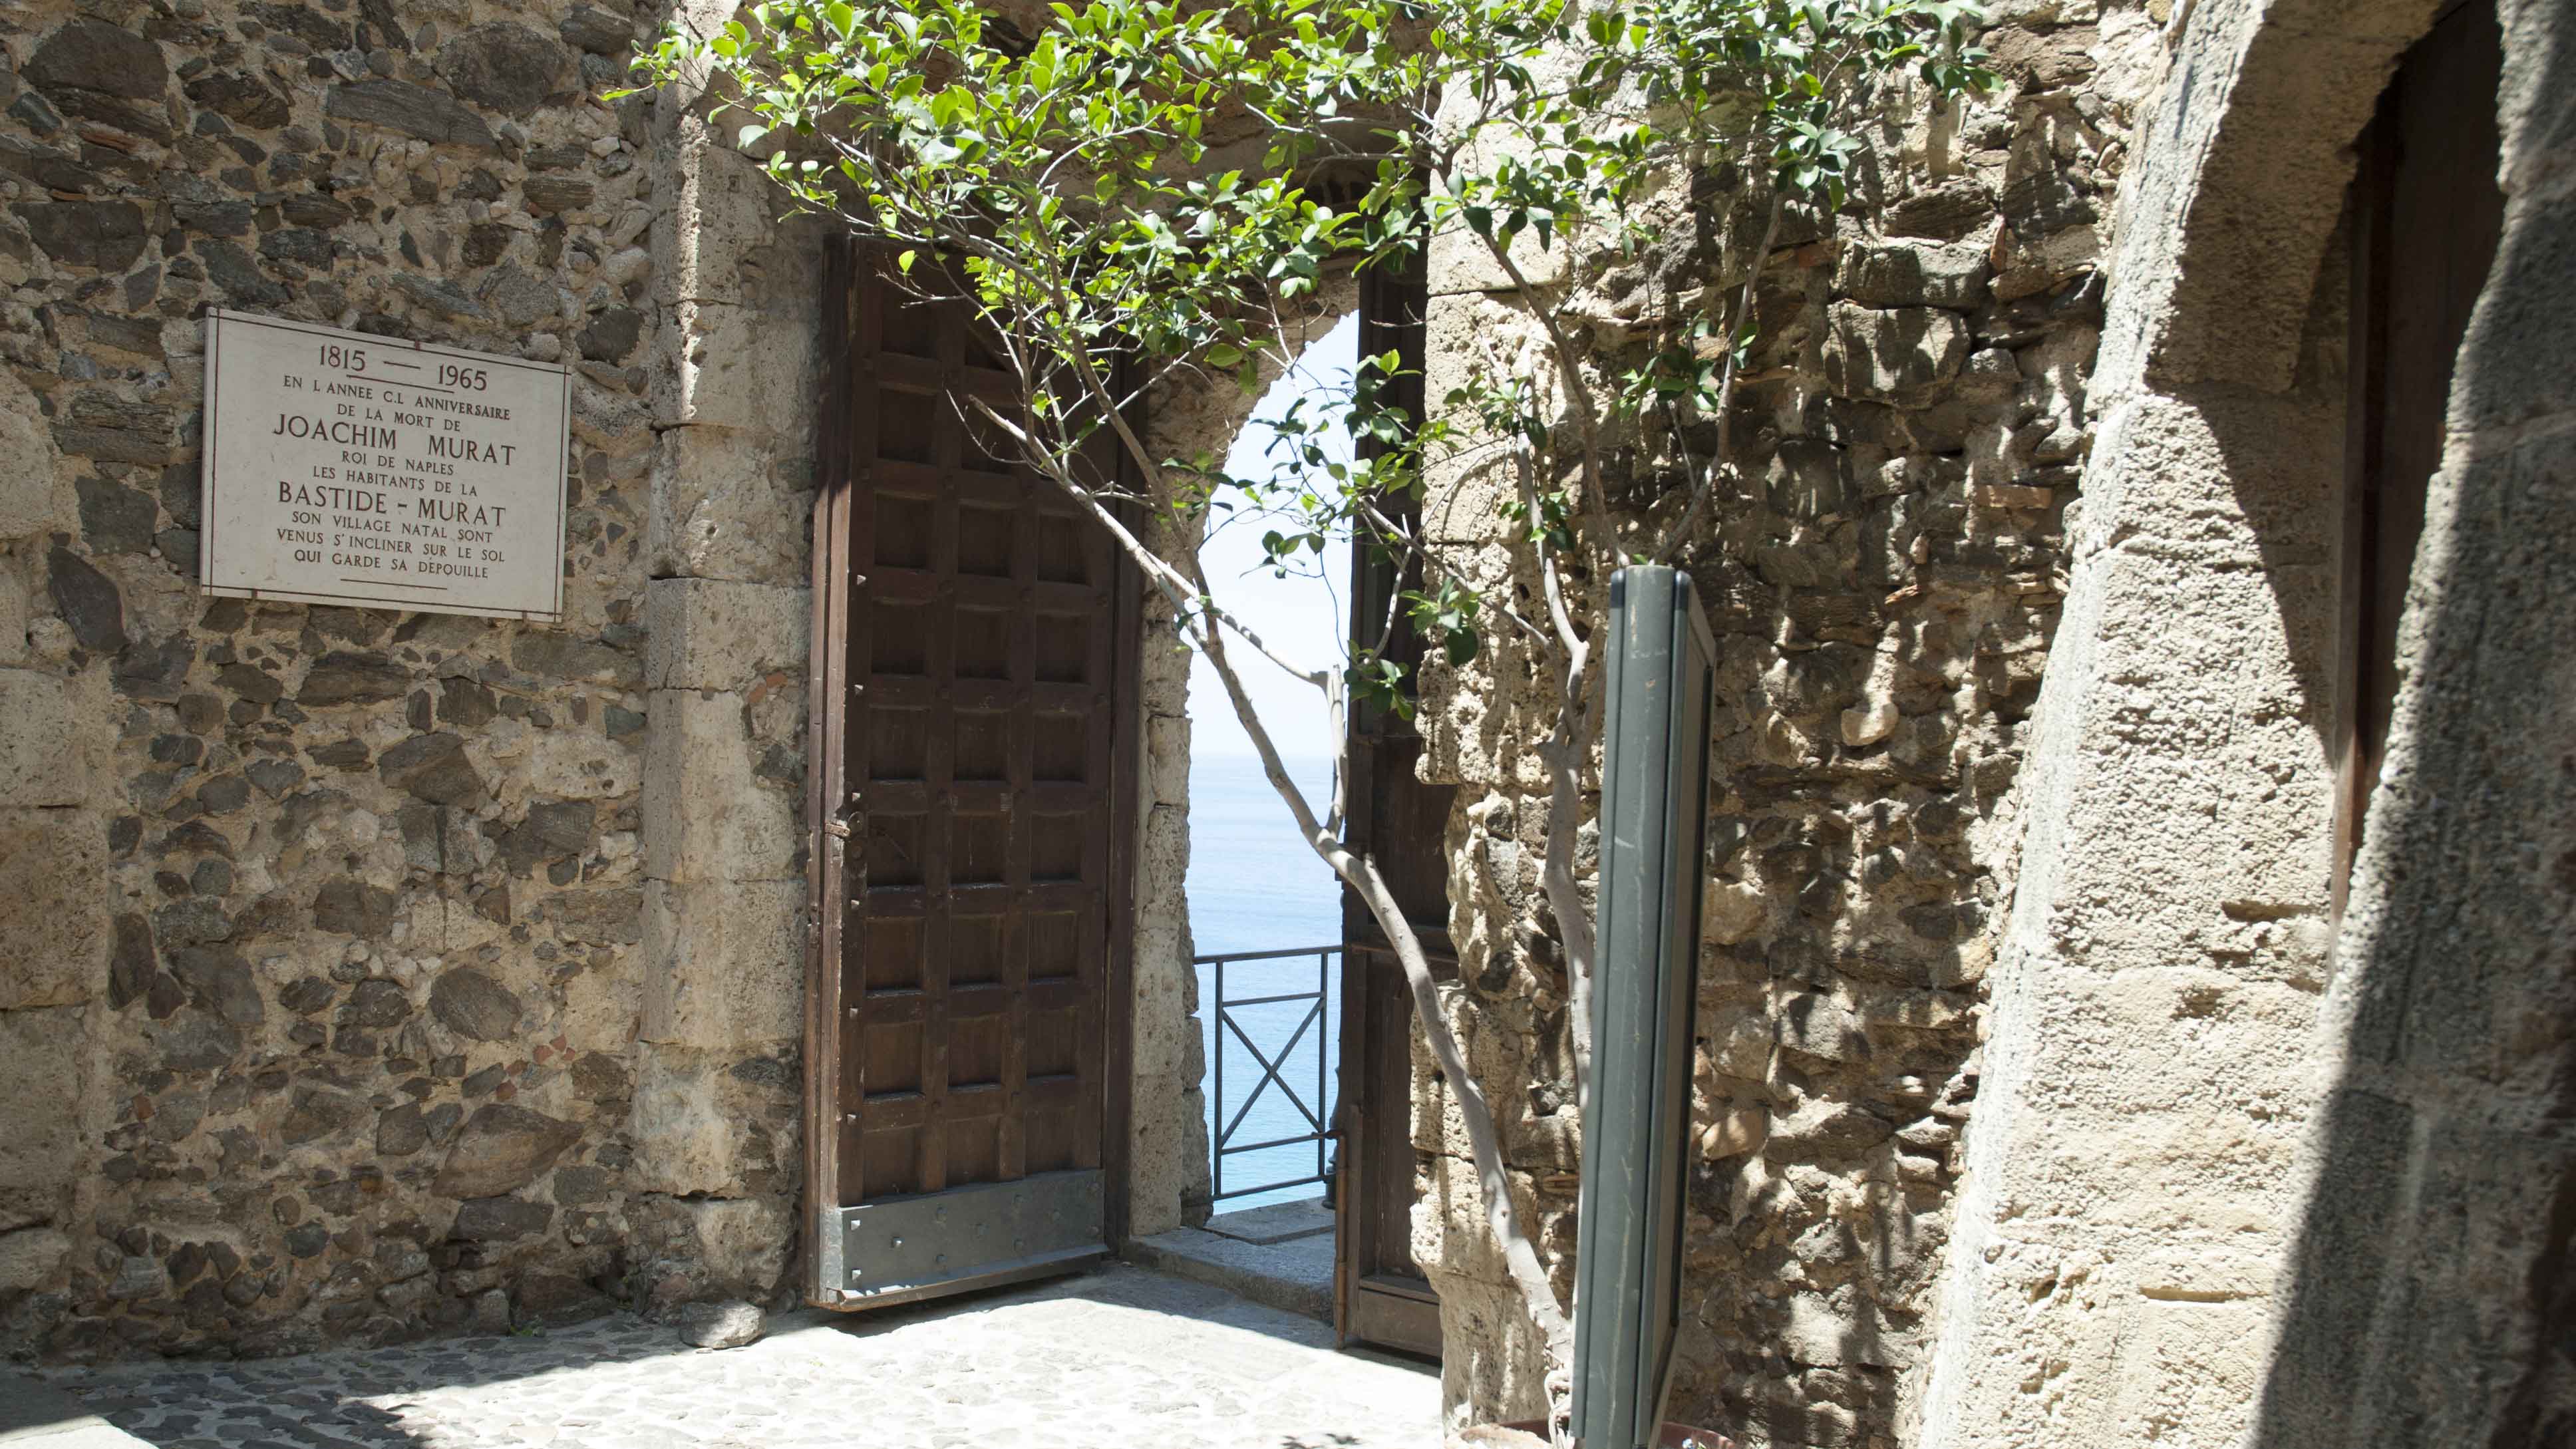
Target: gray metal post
[1636, 1129]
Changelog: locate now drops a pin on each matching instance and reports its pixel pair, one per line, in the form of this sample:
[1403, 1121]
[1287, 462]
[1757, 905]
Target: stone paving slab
[1280, 1222]
[1295, 1276]
[1121, 1358]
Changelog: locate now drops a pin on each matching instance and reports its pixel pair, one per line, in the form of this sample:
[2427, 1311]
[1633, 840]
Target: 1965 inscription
[348, 468]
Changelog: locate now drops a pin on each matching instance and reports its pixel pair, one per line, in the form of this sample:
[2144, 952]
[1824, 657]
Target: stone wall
[2132, 1182]
[366, 973]
[2242, 1172]
[2044, 1097]
[2428, 1302]
[1883, 595]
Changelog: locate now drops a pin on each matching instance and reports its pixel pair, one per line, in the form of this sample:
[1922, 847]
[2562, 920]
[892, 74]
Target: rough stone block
[724, 1247]
[503, 1148]
[1462, 262]
[724, 964]
[29, 1258]
[53, 914]
[1492, 1356]
[717, 634]
[1167, 761]
[1831, 1333]
[706, 817]
[602, 1010]
[736, 366]
[731, 505]
[722, 239]
[2181, 1362]
[1914, 274]
[703, 1127]
[731, 1324]
[413, 110]
[40, 1077]
[2520, 337]
[45, 730]
[1167, 1169]
[1899, 355]
[1167, 1038]
[1467, 490]
[32, 499]
[2536, 108]
[582, 764]
[17, 604]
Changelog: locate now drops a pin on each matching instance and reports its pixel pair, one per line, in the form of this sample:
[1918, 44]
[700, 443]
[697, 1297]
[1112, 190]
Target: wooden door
[970, 872]
[1381, 1295]
[2425, 220]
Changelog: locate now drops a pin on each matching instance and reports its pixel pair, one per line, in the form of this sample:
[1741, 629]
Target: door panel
[2426, 220]
[967, 741]
[1381, 1295]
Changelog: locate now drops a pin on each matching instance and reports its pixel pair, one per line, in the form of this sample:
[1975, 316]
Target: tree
[1135, 194]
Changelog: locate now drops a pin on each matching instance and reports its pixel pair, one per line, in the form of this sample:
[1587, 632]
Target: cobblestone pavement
[1119, 1359]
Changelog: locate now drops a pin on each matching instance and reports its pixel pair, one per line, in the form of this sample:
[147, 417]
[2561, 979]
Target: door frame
[828, 829]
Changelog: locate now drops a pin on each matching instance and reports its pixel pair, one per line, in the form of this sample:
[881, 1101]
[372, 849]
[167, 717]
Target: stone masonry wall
[1883, 598]
[2429, 1302]
[327, 936]
[2244, 1171]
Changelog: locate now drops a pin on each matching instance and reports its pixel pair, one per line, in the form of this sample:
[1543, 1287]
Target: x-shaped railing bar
[1269, 1071]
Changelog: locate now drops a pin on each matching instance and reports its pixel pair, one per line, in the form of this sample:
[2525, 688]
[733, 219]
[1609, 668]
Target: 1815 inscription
[348, 468]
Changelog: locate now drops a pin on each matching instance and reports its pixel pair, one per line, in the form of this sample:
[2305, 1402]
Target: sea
[1255, 886]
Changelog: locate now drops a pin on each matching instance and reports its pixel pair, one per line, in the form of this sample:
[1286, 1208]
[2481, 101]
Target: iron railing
[1275, 1068]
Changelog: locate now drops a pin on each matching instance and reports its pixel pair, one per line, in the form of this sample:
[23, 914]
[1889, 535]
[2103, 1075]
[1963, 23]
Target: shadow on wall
[2431, 1298]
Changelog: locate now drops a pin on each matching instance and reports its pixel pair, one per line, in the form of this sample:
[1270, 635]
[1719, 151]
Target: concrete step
[1282, 1222]
[1294, 1276]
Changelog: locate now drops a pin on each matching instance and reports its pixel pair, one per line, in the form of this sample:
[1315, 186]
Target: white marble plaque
[345, 468]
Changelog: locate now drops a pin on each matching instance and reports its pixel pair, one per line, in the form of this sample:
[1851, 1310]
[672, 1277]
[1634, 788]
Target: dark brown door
[1382, 1296]
[969, 870]
[2426, 219]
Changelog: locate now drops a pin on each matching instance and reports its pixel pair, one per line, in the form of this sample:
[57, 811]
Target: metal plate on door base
[905, 1248]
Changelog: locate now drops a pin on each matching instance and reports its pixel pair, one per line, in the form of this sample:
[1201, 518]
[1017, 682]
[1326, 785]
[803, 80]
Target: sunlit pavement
[1119, 1359]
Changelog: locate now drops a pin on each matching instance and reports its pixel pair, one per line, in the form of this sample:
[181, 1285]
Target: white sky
[1299, 616]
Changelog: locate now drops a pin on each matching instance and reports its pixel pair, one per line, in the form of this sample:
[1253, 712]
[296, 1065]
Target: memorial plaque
[346, 468]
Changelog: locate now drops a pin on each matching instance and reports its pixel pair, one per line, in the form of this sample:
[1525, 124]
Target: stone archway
[1168, 1164]
[2150, 1081]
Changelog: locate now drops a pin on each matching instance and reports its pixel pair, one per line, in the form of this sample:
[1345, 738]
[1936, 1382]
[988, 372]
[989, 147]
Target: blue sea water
[1255, 886]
